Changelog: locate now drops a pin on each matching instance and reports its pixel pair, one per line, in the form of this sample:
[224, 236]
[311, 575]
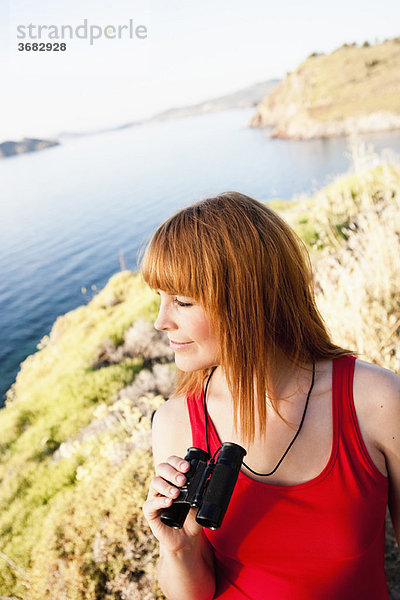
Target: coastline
[300, 127]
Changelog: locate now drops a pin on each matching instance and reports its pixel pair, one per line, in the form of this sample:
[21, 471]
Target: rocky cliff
[352, 90]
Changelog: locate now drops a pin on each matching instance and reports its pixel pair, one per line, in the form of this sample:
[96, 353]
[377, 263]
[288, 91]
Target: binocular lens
[175, 515]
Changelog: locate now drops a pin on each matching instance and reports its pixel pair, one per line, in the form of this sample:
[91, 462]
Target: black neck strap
[205, 408]
[291, 443]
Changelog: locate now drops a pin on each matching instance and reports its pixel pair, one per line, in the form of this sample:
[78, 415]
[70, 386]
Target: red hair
[252, 275]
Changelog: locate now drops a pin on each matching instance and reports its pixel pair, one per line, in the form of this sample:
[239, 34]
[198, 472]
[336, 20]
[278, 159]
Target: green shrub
[94, 541]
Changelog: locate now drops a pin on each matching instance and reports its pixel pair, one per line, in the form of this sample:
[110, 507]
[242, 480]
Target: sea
[73, 215]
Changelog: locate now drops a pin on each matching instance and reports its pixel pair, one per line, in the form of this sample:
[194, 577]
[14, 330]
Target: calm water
[66, 213]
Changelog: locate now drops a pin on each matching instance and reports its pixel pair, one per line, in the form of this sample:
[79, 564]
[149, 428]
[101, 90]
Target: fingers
[160, 487]
[173, 470]
[161, 492]
[153, 505]
[175, 463]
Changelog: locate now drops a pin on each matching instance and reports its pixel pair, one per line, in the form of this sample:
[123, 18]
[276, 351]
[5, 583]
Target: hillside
[75, 442]
[352, 90]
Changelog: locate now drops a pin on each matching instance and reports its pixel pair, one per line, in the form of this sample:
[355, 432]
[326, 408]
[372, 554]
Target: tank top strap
[195, 404]
[342, 393]
[351, 443]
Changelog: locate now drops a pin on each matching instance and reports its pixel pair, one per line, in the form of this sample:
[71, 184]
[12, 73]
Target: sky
[187, 51]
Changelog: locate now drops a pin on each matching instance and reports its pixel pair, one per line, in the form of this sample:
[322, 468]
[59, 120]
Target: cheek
[206, 333]
[202, 330]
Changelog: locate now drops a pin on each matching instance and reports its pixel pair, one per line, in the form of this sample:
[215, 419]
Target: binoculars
[209, 487]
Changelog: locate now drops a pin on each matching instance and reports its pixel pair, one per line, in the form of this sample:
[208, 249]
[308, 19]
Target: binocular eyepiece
[209, 487]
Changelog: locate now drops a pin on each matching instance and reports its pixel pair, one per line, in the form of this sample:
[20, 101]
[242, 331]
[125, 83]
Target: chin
[189, 365]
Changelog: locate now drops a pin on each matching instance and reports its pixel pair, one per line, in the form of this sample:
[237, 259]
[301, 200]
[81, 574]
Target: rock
[25, 145]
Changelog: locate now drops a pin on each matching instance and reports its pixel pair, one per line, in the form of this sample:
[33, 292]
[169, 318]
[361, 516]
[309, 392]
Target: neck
[286, 377]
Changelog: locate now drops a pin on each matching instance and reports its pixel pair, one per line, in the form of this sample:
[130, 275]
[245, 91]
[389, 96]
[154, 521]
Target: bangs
[171, 260]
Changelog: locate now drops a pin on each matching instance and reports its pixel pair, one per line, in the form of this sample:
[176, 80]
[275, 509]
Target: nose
[164, 321]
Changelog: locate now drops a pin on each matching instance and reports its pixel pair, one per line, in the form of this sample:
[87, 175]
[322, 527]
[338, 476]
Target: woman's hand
[164, 488]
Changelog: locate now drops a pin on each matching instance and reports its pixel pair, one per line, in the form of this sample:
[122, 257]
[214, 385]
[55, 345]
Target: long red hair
[252, 275]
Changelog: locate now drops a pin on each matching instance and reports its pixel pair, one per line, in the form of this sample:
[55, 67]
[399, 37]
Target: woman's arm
[389, 442]
[377, 393]
[186, 565]
[187, 573]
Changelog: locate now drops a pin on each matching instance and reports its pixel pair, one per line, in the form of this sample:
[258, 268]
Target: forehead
[171, 269]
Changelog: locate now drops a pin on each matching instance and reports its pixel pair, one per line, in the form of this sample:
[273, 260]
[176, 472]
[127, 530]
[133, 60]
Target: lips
[179, 345]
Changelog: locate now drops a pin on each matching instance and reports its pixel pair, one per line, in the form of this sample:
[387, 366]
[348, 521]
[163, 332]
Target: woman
[321, 429]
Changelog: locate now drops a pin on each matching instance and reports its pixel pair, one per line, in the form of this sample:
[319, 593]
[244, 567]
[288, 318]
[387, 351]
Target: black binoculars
[209, 487]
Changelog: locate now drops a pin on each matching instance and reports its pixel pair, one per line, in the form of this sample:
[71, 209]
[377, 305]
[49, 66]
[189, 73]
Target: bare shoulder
[171, 430]
[376, 383]
[174, 410]
[377, 401]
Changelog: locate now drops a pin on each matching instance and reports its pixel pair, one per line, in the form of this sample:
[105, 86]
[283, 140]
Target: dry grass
[354, 81]
[358, 278]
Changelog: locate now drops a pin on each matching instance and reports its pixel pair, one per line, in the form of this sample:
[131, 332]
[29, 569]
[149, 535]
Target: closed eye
[175, 299]
[180, 303]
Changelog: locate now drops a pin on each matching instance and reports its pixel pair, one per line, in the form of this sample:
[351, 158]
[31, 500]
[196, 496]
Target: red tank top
[318, 540]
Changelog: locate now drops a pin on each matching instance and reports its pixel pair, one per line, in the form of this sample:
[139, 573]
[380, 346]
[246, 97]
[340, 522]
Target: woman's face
[191, 336]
